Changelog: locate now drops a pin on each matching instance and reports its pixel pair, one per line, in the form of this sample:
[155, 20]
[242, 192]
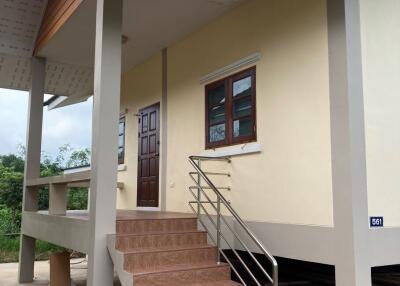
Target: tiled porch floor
[130, 214]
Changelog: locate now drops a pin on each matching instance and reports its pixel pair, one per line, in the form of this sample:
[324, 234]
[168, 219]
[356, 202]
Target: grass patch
[9, 249]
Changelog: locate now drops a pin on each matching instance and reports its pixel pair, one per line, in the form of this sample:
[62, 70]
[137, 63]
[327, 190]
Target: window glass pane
[216, 95]
[120, 154]
[121, 141]
[217, 114]
[242, 127]
[121, 128]
[242, 107]
[217, 132]
[242, 87]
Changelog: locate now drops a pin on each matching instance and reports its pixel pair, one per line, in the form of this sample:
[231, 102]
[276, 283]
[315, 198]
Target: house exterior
[299, 95]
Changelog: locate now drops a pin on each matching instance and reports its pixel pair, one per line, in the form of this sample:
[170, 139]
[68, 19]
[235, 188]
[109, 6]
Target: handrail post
[219, 218]
[219, 228]
[198, 189]
[275, 275]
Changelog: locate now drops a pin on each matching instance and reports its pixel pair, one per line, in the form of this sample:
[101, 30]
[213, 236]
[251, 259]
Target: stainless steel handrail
[206, 187]
[216, 205]
[233, 232]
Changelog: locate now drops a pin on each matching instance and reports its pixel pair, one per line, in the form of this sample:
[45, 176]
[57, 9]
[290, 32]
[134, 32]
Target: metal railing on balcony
[209, 198]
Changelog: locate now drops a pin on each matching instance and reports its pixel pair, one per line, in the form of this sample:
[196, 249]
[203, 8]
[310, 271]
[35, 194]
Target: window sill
[237, 150]
[121, 167]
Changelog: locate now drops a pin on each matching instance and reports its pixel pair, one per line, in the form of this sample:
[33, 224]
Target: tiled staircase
[165, 249]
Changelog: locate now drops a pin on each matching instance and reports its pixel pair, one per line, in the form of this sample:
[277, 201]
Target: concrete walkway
[9, 273]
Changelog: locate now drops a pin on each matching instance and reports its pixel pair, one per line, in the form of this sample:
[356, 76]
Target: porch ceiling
[148, 26]
[20, 21]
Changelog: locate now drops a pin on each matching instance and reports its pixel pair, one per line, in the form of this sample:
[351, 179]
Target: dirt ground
[9, 273]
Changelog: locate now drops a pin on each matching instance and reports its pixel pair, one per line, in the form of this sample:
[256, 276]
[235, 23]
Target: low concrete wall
[68, 232]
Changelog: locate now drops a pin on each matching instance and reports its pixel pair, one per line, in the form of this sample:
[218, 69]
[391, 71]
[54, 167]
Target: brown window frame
[229, 104]
[122, 119]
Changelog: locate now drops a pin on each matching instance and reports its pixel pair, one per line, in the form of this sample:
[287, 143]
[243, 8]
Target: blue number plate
[376, 221]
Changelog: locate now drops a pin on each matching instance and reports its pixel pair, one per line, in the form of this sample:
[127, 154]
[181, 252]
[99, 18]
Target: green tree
[15, 162]
[12, 176]
[11, 184]
[79, 158]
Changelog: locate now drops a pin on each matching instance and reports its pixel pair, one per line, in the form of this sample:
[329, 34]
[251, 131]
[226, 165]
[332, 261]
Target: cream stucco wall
[381, 71]
[141, 87]
[290, 180]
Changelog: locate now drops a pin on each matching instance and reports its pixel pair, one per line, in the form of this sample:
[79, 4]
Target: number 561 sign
[376, 221]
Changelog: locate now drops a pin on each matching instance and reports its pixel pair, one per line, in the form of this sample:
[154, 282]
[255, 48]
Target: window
[121, 141]
[230, 110]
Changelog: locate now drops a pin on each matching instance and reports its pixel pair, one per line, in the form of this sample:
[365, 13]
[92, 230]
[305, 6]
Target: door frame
[160, 158]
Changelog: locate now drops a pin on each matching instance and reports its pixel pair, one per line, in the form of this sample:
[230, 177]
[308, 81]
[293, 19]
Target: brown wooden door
[148, 161]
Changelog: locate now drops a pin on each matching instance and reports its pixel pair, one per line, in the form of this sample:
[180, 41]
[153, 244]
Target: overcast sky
[67, 125]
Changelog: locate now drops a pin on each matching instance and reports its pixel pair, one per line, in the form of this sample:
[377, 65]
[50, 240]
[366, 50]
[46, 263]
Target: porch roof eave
[69, 52]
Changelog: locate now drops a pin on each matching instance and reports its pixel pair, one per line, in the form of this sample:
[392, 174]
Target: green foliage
[11, 189]
[79, 158]
[13, 162]
[9, 222]
[11, 183]
[77, 199]
[9, 249]
[44, 249]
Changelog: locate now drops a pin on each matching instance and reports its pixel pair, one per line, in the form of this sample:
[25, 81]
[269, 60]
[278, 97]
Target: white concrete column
[32, 164]
[349, 179]
[106, 108]
[164, 130]
[58, 199]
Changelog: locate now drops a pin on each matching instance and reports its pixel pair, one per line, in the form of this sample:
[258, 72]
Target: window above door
[231, 110]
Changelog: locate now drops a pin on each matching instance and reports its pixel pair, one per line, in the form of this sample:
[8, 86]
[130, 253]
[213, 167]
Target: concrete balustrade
[59, 186]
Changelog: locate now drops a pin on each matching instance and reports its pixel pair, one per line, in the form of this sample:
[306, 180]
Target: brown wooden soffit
[57, 13]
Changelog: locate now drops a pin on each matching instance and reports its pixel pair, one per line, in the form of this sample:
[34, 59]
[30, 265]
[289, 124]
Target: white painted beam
[71, 231]
[106, 108]
[32, 164]
[349, 178]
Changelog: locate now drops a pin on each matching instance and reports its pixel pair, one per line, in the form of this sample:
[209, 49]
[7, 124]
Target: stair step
[127, 242]
[154, 258]
[145, 226]
[179, 275]
[141, 215]
[165, 249]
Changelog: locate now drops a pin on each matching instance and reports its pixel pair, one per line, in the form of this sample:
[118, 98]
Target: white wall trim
[149, 209]
[122, 167]
[236, 150]
[251, 59]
